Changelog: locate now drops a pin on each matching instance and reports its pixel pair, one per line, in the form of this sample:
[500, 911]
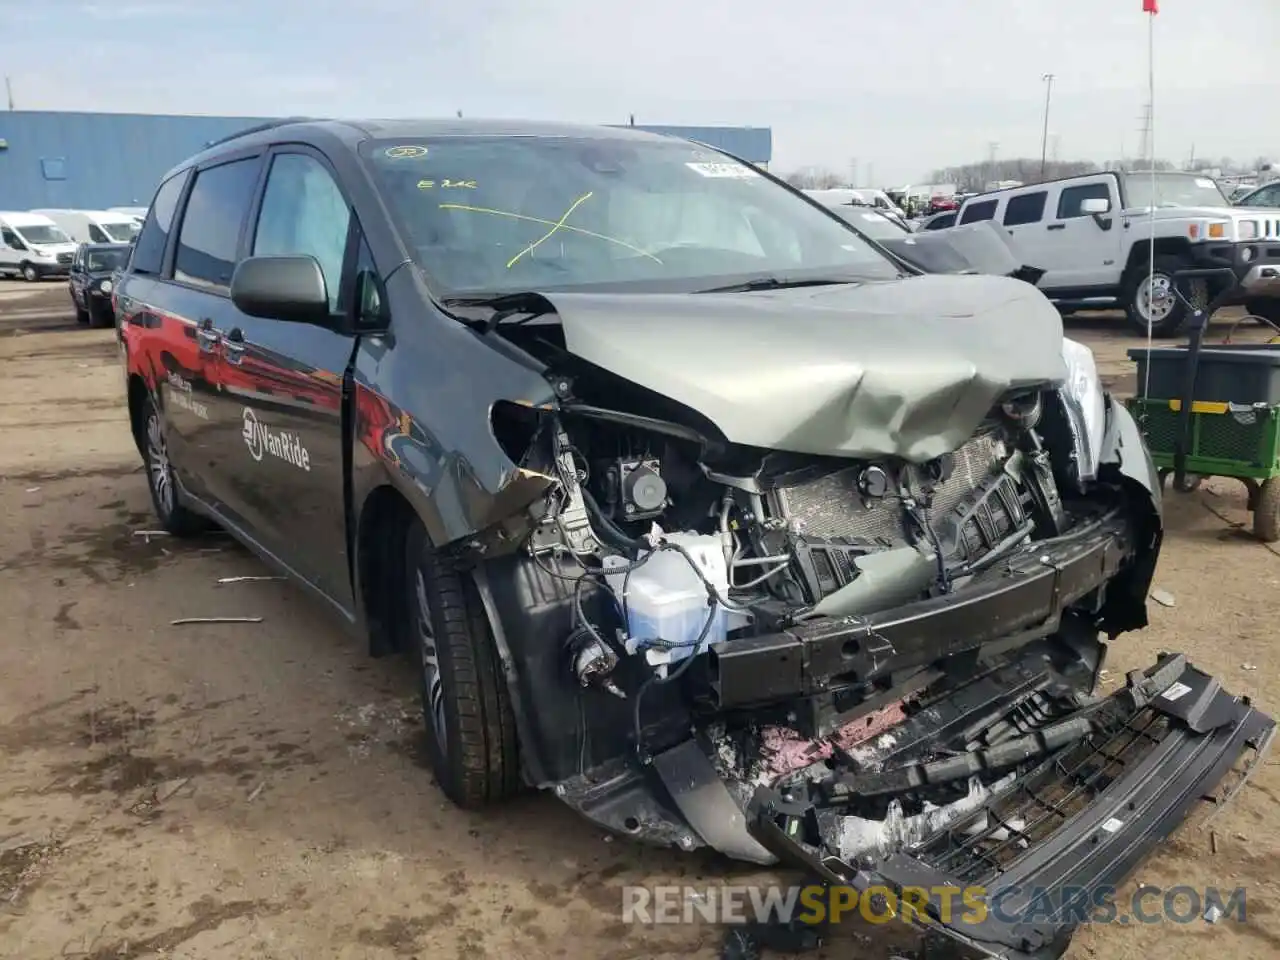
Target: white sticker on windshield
[1204, 182]
[1176, 691]
[738, 170]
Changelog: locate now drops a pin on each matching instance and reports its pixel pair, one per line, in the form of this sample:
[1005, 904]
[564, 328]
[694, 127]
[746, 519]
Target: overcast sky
[902, 86]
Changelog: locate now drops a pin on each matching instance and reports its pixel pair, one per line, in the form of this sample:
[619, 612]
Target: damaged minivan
[694, 507]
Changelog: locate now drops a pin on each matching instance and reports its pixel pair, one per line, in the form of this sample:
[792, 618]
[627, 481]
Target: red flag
[1150, 6]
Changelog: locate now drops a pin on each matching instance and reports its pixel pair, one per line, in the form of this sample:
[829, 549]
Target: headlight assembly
[1086, 408]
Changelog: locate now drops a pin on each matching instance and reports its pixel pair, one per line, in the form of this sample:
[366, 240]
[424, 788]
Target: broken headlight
[1086, 408]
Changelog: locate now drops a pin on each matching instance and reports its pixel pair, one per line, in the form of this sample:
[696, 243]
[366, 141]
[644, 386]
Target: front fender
[1127, 463]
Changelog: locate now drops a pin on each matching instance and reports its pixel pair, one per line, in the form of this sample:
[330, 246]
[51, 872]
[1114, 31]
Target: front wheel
[1266, 511]
[471, 731]
[166, 499]
[1268, 309]
[30, 273]
[82, 316]
[1151, 303]
[99, 317]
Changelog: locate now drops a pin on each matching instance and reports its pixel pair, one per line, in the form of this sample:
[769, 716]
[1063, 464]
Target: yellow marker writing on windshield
[559, 223]
[549, 223]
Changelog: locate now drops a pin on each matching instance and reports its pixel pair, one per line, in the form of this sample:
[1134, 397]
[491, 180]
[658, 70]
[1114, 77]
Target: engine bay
[697, 547]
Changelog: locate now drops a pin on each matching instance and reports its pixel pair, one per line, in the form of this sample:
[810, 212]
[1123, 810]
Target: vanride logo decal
[281, 444]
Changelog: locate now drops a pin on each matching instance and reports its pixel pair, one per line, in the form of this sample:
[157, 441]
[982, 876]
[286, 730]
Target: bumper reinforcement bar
[1029, 592]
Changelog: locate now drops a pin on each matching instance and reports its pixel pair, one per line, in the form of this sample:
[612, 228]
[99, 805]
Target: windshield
[122, 231]
[504, 214]
[103, 260]
[1173, 190]
[874, 225]
[38, 234]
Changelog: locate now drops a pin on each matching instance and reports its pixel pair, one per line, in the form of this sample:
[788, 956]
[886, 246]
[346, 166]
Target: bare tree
[814, 178]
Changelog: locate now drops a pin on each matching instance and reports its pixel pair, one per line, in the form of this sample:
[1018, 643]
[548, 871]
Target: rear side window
[1026, 208]
[210, 231]
[979, 211]
[942, 222]
[1072, 197]
[148, 252]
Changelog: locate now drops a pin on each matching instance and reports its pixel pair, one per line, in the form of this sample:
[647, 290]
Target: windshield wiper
[775, 283]
[526, 305]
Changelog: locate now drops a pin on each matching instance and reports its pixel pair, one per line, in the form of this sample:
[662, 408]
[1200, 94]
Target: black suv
[92, 279]
[691, 504]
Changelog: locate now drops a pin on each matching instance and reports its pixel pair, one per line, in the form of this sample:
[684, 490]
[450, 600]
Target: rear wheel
[1154, 304]
[166, 498]
[471, 733]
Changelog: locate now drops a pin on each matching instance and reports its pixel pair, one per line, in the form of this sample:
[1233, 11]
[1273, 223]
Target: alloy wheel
[432, 685]
[159, 469]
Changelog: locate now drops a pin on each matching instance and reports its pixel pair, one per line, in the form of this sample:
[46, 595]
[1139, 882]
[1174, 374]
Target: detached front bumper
[1046, 850]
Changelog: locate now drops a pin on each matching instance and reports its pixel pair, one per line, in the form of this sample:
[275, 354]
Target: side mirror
[281, 288]
[1096, 207]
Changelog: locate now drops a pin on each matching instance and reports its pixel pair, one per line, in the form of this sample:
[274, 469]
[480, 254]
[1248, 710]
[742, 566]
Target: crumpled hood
[899, 368]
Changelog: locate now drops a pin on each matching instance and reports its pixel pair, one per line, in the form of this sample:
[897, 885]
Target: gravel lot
[256, 790]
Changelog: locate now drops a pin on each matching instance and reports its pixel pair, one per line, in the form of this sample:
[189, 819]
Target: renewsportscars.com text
[818, 904]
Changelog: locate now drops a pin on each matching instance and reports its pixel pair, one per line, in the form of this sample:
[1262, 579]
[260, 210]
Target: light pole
[1044, 138]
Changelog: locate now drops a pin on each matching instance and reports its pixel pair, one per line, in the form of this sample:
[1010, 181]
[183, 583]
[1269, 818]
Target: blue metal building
[96, 160]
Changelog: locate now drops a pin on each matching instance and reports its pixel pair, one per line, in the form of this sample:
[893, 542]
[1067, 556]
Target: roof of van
[104, 215]
[23, 218]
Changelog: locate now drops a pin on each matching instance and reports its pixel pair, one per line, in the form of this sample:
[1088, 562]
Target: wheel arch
[138, 394]
[1140, 252]
[382, 526]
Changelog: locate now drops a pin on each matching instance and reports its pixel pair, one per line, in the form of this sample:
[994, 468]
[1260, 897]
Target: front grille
[831, 507]
[64, 258]
[1043, 800]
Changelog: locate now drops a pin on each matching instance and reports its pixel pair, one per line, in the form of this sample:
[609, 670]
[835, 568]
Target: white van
[94, 226]
[138, 213]
[33, 246]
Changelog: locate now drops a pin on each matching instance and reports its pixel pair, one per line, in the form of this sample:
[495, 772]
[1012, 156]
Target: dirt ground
[256, 790]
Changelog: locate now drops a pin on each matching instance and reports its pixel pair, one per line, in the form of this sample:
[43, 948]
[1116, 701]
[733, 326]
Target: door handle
[233, 344]
[1056, 226]
[205, 334]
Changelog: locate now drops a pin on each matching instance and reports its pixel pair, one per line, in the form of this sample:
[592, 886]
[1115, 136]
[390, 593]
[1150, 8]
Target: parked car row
[36, 244]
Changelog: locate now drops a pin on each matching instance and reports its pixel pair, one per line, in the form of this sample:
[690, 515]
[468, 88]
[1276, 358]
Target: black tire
[166, 498]
[99, 318]
[466, 706]
[1266, 511]
[1268, 309]
[82, 316]
[1135, 294]
[29, 272]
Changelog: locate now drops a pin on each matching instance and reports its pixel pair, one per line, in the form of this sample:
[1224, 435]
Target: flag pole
[1149, 7]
